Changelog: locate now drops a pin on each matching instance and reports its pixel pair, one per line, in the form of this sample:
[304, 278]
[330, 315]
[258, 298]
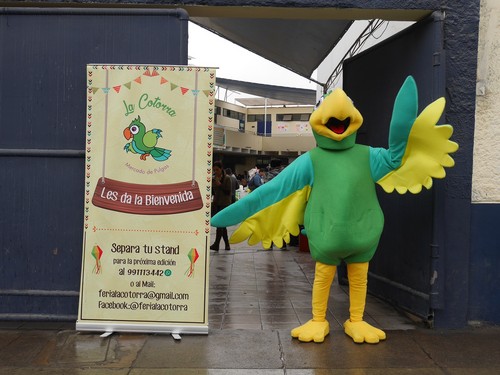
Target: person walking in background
[262, 174]
[275, 168]
[255, 180]
[235, 185]
[242, 180]
[221, 188]
[250, 175]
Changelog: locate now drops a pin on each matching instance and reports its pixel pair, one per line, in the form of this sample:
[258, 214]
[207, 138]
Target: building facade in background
[244, 139]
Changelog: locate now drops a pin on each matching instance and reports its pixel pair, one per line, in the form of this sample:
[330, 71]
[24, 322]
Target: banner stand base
[111, 327]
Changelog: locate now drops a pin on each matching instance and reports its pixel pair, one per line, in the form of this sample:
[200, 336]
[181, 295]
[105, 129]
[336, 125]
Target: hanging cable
[373, 25]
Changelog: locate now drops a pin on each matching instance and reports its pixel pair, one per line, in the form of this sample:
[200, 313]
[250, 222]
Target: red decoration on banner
[151, 72]
[184, 90]
[163, 80]
[117, 88]
[138, 80]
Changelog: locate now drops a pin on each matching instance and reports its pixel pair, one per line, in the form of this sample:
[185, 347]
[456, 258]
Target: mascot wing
[275, 210]
[418, 148]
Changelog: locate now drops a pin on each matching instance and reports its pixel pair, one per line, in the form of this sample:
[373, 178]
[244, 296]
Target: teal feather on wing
[419, 149]
[160, 154]
[383, 161]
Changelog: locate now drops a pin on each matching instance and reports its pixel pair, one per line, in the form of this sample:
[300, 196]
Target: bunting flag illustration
[153, 73]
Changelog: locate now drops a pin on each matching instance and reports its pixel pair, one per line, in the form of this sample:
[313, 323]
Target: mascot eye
[321, 99]
[134, 129]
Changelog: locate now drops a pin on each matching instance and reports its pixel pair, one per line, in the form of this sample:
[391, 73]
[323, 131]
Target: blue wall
[484, 279]
[43, 58]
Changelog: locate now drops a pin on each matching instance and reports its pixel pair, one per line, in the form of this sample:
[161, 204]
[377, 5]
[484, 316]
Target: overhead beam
[245, 11]
[307, 13]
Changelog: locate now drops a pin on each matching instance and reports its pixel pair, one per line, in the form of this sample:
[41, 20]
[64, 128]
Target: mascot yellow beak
[336, 117]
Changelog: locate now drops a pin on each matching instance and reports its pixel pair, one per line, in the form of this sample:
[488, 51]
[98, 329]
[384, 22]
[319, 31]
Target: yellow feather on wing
[275, 223]
[426, 155]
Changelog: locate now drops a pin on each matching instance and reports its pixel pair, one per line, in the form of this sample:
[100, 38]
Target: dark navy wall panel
[401, 269]
[484, 290]
[42, 234]
[41, 237]
[43, 58]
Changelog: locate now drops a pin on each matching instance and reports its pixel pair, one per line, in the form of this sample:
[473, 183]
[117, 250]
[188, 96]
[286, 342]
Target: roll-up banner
[147, 199]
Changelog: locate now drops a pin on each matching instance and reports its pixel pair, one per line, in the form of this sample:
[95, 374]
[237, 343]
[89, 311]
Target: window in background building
[233, 114]
[264, 128]
[292, 117]
[255, 118]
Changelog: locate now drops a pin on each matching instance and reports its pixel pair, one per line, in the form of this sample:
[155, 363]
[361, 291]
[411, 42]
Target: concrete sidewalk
[256, 298]
[61, 350]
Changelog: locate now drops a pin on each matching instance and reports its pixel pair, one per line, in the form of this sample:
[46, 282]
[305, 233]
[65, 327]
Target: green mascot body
[330, 190]
[353, 232]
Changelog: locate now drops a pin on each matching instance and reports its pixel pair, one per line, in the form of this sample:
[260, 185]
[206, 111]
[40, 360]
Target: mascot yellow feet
[312, 331]
[362, 332]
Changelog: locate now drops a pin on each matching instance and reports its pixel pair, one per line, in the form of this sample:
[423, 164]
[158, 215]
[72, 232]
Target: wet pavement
[256, 298]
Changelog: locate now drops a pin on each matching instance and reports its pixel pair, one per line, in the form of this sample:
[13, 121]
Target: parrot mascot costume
[330, 190]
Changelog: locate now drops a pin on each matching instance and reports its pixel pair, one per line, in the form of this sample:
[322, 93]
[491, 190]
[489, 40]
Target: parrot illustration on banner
[330, 190]
[144, 142]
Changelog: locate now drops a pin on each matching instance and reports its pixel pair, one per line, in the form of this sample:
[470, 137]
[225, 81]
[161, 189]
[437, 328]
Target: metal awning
[298, 39]
[299, 45]
[281, 94]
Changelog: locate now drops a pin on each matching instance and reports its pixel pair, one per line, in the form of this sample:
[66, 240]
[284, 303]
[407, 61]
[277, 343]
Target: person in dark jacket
[221, 188]
[235, 185]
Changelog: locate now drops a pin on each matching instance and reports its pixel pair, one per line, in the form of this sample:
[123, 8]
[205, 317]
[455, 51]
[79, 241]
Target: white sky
[234, 62]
